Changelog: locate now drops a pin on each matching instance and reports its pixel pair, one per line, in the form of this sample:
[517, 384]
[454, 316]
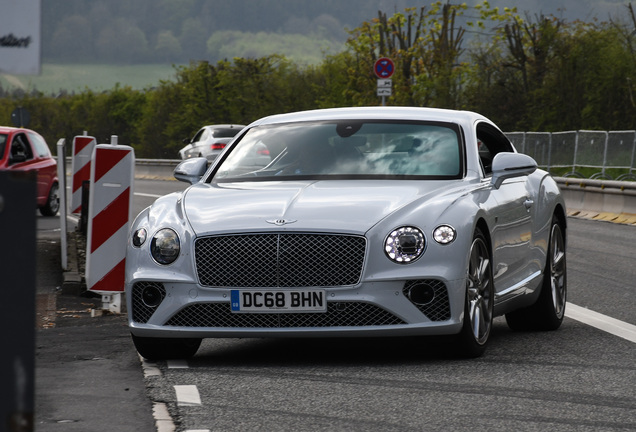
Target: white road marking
[602, 322]
[187, 395]
[177, 364]
[163, 421]
[149, 368]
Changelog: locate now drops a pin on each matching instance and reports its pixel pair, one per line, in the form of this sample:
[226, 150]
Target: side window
[41, 147]
[490, 141]
[198, 136]
[21, 149]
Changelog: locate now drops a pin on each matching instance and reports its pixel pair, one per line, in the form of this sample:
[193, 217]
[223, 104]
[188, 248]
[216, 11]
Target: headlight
[139, 237]
[444, 234]
[165, 246]
[405, 244]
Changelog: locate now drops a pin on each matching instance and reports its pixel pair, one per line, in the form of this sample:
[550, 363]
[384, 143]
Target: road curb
[73, 278]
[618, 218]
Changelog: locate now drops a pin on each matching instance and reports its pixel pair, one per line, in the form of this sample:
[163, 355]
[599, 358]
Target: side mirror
[191, 170]
[186, 141]
[509, 165]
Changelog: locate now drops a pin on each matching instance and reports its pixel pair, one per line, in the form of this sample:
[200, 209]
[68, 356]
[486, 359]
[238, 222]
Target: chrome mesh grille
[439, 308]
[279, 260]
[141, 313]
[341, 314]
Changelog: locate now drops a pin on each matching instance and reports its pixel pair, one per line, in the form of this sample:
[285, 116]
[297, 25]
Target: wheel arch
[561, 215]
[485, 230]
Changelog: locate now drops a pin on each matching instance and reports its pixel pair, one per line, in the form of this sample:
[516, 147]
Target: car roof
[224, 126]
[9, 129]
[379, 113]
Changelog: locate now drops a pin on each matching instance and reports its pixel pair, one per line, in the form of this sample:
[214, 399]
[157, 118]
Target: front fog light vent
[146, 298]
[421, 293]
[151, 296]
[429, 296]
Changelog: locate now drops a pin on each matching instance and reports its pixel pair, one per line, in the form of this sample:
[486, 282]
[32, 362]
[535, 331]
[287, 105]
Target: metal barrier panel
[599, 150]
[620, 149]
[537, 145]
[518, 139]
[591, 149]
[563, 149]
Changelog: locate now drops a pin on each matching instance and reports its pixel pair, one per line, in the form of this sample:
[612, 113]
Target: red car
[26, 150]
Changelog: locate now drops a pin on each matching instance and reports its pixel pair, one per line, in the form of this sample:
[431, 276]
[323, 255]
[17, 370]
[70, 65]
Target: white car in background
[209, 141]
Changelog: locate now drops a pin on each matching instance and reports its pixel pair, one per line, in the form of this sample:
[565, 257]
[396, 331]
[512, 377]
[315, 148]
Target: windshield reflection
[353, 149]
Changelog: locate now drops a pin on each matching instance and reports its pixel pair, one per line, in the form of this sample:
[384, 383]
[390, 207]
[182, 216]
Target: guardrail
[160, 169]
[600, 199]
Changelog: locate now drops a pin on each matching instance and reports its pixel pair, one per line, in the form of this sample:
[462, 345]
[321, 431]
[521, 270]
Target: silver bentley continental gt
[356, 222]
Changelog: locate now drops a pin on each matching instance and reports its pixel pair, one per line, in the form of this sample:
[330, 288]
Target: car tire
[479, 304]
[52, 205]
[548, 311]
[166, 348]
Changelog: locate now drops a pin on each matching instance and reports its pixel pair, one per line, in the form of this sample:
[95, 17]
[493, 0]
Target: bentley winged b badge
[280, 222]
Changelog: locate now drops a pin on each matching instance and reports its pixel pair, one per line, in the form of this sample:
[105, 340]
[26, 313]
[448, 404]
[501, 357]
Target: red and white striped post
[109, 216]
[83, 147]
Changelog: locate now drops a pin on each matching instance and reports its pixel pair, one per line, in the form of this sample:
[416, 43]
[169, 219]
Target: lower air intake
[339, 314]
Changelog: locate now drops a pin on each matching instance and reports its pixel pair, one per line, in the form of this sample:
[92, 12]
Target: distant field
[79, 77]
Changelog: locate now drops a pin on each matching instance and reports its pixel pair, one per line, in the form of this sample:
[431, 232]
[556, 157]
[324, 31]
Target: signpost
[383, 69]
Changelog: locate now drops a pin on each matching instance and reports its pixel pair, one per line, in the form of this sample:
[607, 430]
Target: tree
[425, 44]
[546, 74]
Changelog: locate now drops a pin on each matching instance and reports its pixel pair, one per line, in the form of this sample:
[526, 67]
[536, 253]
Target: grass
[80, 77]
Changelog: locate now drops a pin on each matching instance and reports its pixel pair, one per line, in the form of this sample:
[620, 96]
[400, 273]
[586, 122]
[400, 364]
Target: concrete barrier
[160, 169]
[609, 200]
[157, 169]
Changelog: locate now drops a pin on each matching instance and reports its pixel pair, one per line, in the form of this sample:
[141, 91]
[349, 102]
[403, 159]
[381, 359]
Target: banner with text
[20, 44]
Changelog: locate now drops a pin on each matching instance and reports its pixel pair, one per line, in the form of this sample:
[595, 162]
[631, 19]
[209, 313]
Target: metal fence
[601, 152]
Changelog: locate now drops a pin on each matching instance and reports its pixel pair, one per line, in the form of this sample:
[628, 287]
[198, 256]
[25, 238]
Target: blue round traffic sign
[384, 67]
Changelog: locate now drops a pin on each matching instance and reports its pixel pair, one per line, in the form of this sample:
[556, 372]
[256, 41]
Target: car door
[202, 142]
[24, 157]
[44, 163]
[512, 215]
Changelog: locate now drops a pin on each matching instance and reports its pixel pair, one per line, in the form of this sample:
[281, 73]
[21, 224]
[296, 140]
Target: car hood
[320, 206]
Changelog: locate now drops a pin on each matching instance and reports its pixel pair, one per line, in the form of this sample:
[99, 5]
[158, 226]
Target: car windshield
[345, 149]
[225, 132]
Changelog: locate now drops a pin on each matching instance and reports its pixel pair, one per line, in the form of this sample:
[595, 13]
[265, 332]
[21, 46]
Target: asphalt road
[579, 378]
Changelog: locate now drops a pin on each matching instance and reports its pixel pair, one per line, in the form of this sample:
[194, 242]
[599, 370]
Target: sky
[571, 10]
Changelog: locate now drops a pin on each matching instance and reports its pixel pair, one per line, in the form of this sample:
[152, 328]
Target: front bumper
[380, 308]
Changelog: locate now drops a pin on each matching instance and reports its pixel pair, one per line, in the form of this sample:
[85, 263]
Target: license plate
[278, 301]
